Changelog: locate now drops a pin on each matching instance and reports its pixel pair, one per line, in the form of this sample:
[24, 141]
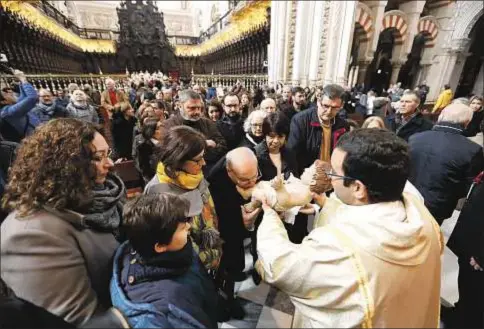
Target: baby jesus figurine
[285, 195]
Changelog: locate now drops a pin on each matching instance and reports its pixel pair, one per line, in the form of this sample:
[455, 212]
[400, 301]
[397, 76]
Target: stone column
[277, 40]
[316, 42]
[346, 40]
[378, 10]
[413, 9]
[395, 71]
[300, 41]
[363, 68]
[339, 41]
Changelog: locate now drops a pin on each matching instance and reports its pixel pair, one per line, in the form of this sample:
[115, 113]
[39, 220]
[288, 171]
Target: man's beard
[233, 116]
[47, 103]
[189, 118]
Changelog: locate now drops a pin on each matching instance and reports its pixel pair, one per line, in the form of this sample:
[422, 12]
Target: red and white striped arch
[394, 19]
[428, 26]
[363, 22]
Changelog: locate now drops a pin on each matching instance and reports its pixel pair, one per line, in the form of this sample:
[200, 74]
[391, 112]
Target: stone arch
[469, 13]
[398, 20]
[363, 22]
[429, 26]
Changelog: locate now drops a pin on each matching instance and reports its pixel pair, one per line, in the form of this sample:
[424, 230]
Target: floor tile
[279, 300]
[257, 294]
[252, 316]
[271, 318]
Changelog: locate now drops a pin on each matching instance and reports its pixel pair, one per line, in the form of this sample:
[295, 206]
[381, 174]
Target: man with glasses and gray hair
[315, 131]
[191, 109]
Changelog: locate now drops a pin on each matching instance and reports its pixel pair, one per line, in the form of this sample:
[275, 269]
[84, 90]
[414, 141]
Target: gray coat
[86, 113]
[49, 260]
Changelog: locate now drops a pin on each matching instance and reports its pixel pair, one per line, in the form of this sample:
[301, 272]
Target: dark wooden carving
[143, 44]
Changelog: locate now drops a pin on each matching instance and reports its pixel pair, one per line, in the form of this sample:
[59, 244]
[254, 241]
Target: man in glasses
[190, 114]
[231, 126]
[315, 131]
[229, 178]
[373, 257]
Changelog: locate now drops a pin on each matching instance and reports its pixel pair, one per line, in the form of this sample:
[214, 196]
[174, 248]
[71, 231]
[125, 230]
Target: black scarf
[167, 264]
[104, 212]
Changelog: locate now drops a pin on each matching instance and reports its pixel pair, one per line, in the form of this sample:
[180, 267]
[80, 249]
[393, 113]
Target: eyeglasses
[248, 180]
[256, 125]
[327, 107]
[331, 173]
[99, 157]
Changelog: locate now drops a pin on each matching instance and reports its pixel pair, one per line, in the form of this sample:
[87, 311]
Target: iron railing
[251, 81]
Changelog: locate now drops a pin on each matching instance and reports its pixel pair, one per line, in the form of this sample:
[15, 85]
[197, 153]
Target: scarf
[104, 212]
[47, 109]
[254, 139]
[206, 238]
[184, 180]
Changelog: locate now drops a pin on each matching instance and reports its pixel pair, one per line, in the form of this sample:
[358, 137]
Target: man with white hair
[268, 105]
[444, 162]
[286, 95]
[113, 100]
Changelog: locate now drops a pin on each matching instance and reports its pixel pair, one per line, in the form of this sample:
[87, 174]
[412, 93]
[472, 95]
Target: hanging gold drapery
[248, 19]
[37, 18]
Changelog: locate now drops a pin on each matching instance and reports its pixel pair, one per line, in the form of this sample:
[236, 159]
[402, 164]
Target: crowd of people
[384, 174]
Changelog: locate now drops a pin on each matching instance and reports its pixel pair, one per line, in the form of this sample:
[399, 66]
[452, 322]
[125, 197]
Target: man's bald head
[242, 167]
[268, 105]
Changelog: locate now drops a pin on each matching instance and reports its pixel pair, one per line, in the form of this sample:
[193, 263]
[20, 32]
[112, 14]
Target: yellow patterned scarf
[183, 179]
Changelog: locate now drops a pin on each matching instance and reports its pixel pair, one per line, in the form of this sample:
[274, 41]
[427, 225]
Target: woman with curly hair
[66, 211]
[180, 159]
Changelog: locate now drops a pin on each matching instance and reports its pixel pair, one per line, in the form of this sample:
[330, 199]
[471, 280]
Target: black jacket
[144, 161]
[267, 168]
[250, 141]
[290, 111]
[209, 129]
[122, 136]
[231, 226]
[416, 124]
[467, 239]
[474, 126]
[231, 131]
[305, 136]
[443, 164]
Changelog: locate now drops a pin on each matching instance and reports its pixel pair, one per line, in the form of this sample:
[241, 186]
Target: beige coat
[121, 98]
[362, 266]
[48, 261]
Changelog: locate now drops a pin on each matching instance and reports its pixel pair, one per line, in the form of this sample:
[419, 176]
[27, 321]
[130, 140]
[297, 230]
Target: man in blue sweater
[16, 118]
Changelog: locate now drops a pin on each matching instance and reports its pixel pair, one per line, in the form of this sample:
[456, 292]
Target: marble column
[339, 41]
[395, 71]
[346, 40]
[300, 42]
[276, 47]
[316, 42]
[413, 9]
[362, 69]
[378, 10]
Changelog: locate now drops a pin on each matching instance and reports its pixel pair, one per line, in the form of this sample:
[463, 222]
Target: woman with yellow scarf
[180, 160]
